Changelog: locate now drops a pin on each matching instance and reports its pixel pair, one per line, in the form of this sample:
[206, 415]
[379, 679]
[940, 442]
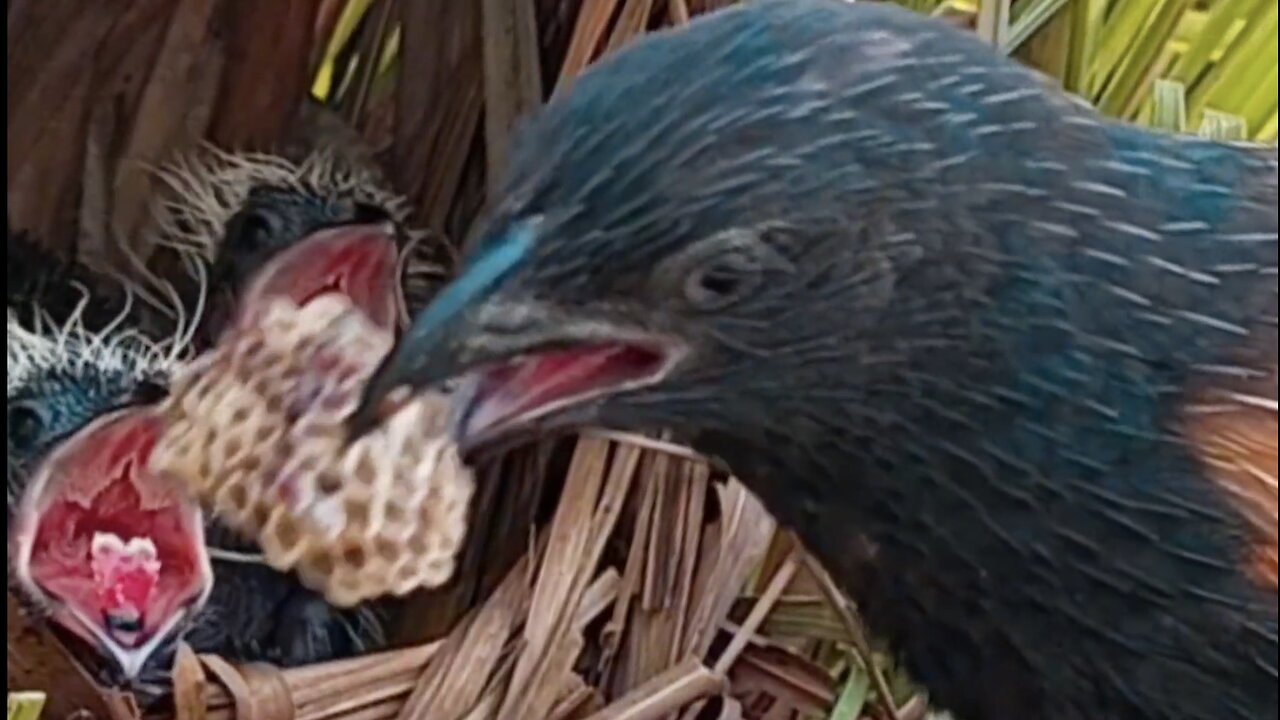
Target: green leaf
[1121, 29]
[1267, 133]
[1087, 17]
[1219, 28]
[1131, 76]
[352, 13]
[1223, 126]
[1169, 101]
[1253, 47]
[25, 705]
[1035, 14]
[953, 7]
[1191, 28]
[803, 617]
[1260, 107]
[854, 695]
[1248, 72]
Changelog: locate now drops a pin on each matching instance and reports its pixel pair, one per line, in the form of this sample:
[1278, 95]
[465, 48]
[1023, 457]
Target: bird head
[358, 261]
[264, 225]
[795, 208]
[113, 555]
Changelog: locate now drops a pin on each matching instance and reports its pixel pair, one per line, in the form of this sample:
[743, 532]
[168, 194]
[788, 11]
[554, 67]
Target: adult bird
[1007, 367]
[115, 569]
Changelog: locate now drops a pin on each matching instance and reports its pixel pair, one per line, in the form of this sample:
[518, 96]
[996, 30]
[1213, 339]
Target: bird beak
[358, 261]
[522, 364]
[116, 553]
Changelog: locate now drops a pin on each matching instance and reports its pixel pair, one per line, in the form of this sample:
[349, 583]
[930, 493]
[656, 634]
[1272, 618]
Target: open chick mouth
[358, 261]
[552, 389]
[114, 554]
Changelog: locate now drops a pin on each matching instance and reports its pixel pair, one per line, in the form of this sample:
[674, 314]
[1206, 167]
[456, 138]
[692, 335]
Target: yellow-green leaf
[1223, 126]
[25, 705]
[1169, 103]
[853, 696]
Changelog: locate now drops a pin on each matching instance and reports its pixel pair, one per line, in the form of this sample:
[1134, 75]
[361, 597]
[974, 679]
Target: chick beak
[356, 260]
[114, 552]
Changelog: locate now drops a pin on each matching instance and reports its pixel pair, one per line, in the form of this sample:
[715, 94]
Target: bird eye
[149, 391]
[722, 280]
[255, 231]
[252, 230]
[27, 423]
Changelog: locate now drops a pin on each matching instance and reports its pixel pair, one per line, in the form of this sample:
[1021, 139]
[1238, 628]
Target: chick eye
[251, 230]
[149, 391]
[27, 424]
[722, 280]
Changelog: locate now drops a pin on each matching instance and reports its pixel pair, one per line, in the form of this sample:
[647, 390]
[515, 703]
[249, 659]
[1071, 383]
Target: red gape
[358, 261]
[113, 541]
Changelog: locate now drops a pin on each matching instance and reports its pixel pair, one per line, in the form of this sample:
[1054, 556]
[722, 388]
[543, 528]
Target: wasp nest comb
[256, 433]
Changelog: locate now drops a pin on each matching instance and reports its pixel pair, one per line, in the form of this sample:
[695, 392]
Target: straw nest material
[569, 633]
[628, 604]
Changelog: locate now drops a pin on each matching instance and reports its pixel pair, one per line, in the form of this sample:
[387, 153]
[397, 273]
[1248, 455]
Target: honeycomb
[255, 431]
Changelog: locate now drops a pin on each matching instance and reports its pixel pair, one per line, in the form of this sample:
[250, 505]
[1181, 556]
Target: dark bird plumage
[1008, 368]
[81, 345]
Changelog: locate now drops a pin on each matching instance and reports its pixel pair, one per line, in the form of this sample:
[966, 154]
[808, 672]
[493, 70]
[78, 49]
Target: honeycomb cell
[354, 556]
[328, 483]
[394, 515]
[258, 518]
[234, 496]
[355, 522]
[285, 531]
[358, 513]
[388, 551]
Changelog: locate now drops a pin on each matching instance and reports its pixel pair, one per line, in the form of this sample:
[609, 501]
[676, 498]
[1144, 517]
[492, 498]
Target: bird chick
[82, 398]
[919, 301]
[235, 213]
[110, 552]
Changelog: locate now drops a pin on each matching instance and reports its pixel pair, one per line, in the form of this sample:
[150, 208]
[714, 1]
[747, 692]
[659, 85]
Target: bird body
[1007, 367]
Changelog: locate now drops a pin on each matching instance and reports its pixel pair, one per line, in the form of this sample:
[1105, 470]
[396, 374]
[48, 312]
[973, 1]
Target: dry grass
[622, 607]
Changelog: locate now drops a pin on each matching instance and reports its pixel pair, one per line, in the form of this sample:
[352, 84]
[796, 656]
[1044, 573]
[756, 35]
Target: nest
[566, 634]
[627, 604]
[256, 433]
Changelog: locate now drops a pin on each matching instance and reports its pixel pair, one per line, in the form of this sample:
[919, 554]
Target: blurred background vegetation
[102, 92]
[1186, 65]
[1190, 65]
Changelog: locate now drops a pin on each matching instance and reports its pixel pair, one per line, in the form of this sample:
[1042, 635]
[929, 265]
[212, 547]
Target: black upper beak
[442, 346]
[427, 356]
[445, 339]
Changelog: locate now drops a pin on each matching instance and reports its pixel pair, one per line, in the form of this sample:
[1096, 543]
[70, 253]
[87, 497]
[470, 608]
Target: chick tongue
[125, 576]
